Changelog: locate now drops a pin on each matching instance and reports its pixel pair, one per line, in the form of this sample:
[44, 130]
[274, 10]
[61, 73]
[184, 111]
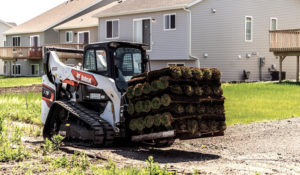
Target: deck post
[280, 65]
[297, 74]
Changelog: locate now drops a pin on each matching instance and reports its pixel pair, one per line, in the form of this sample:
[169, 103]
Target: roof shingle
[127, 7]
[52, 17]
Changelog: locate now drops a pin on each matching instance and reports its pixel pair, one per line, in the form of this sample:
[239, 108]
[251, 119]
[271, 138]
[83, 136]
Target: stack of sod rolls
[188, 100]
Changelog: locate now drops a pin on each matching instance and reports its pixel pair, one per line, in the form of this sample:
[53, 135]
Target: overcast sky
[20, 11]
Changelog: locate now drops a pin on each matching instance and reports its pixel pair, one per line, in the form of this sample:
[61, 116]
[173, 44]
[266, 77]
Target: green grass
[256, 102]
[245, 103]
[14, 106]
[20, 81]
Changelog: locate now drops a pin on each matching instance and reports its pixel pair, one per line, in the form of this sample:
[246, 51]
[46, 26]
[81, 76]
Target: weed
[57, 140]
[47, 147]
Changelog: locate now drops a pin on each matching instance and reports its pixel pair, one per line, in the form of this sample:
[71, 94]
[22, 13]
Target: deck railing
[64, 55]
[37, 52]
[285, 40]
[21, 52]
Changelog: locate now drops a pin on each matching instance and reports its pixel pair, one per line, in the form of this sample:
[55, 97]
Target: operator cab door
[96, 61]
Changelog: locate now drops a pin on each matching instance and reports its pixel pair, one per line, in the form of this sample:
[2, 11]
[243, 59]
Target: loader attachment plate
[153, 136]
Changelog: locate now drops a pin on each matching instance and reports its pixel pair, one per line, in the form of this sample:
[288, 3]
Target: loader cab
[118, 60]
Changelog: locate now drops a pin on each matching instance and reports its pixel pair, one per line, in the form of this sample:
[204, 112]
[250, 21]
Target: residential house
[23, 51]
[4, 26]
[230, 35]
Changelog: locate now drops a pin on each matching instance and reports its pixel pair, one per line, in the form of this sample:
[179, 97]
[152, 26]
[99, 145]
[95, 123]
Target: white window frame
[13, 40]
[170, 22]
[119, 29]
[251, 28]
[38, 69]
[271, 19]
[39, 41]
[175, 63]
[84, 32]
[12, 69]
[140, 19]
[71, 32]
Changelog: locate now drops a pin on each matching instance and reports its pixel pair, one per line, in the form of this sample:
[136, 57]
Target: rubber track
[103, 131]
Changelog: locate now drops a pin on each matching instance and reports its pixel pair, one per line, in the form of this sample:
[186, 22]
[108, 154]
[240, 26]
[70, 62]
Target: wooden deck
[12, 53]
[284, 43]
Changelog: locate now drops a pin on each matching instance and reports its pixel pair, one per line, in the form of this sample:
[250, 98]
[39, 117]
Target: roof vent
[120, 1]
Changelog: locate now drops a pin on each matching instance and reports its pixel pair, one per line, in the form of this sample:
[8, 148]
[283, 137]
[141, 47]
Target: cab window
[89, 61]
[101, 60]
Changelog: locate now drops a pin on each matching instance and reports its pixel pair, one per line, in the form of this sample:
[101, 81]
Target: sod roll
[179, 109]
[186, 72]
[207, 74]
[149, 121]
[130, 92]
[147, 106]
[131, 108]
[197, 73]
[140, 124]
[156, 103]
[176, 89]
[138, 107]
[192, 126]
[198, 91]
[166, 100]
[188, 90]
[190, 109]
[216, 74]
[166, 119]
[146, 88]
[157, 120]
[154, 86]
[138, 90]
[163, 82]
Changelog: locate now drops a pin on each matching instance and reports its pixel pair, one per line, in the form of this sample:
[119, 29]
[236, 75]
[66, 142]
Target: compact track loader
[88, 105]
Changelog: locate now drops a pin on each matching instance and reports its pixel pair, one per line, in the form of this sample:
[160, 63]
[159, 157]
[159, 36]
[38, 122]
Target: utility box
[275, 75]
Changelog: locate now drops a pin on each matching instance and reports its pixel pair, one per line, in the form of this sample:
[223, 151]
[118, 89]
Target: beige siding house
[23, 50]
[83, 29]
[4, 26]
[230, 35]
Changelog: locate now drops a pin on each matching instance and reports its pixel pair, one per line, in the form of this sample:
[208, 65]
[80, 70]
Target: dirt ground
[262, 148]
[258, 148]
[22, 89]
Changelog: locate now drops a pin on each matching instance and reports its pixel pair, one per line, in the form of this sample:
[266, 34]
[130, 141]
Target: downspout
[190, 36]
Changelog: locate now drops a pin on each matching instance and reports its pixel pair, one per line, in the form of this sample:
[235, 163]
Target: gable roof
[86, 20]
[127, 7]
[52, 17]
[7, 23]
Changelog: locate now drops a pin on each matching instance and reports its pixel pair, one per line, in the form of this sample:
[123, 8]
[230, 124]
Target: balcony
[11, 53]
[21, 52]
[285, 41]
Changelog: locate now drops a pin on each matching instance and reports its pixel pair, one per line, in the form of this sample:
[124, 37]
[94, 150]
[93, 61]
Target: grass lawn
[253, 102]
[14, 106]
[245, 103]
[21, 81]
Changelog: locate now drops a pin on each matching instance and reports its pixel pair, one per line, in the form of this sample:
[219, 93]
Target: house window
[142, 31]
[69, 37]
[170, 22]
[35, 69]
[16, 41]
[248, 28]
[16, 69]
[112, 29]
[35, 41]
[273, 25]
[84, 37]
[175, 64]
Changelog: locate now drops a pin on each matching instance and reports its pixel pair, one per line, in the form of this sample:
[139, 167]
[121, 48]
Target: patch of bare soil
[264, 148]
[22, 89]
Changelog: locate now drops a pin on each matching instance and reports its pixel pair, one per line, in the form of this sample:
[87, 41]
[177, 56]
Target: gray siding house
[230, 35]
[23, 50]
